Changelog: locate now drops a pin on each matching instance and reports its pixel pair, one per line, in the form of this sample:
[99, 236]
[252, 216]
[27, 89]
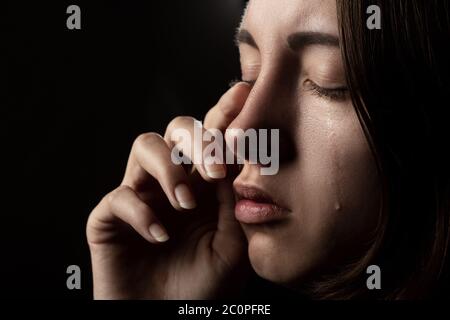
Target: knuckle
[112, 197]
[95, 212]
[147, 139]
[180, 122]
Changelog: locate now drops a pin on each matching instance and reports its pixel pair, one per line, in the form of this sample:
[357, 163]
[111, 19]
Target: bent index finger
[151, 156]
[193, 148]
[228, 107]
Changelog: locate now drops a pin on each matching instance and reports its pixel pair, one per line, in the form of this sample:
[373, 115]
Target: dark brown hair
[398, 77]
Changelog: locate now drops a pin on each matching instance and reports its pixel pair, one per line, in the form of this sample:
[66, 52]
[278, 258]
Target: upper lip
[254, 194]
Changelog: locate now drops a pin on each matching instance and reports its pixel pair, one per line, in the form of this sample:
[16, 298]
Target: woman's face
[327, 184]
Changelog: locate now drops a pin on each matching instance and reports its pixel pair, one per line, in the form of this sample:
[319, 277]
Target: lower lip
[251, 212]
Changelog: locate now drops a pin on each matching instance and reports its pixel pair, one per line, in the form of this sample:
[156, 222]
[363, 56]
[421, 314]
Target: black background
[73, 101]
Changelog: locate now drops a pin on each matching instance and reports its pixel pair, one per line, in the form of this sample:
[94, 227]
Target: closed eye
[336, 94]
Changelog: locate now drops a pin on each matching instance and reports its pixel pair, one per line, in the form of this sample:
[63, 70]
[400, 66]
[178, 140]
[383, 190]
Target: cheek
[338, 179]
[332, 190]
[357, 182]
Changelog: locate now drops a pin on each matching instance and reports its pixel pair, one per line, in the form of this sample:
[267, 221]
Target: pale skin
[207, 244]
[329, 185]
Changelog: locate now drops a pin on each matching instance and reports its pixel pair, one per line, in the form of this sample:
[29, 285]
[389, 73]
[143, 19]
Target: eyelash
[335, 94]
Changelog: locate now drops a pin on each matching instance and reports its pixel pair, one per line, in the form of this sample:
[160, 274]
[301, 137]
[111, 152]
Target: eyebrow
[296, 41]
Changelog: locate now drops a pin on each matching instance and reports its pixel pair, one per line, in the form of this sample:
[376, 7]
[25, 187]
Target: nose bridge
[254, 113]
[270, 106]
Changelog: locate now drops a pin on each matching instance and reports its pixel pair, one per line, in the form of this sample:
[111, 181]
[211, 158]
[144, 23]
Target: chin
[273, 259]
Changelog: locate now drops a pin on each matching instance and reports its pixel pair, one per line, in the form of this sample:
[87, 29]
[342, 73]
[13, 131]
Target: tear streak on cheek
[335, 159]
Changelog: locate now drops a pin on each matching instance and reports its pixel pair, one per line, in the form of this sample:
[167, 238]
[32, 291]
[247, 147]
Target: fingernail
[158, 232]
[184, 197]
[215, 172]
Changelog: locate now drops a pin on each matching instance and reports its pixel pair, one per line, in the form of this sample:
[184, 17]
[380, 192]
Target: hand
[128, 232]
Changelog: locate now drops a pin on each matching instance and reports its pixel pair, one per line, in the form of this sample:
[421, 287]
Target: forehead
[280, 17]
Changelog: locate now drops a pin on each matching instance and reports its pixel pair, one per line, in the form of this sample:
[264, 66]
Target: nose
[263, 130]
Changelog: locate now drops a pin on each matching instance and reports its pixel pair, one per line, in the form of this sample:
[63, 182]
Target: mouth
[255, 206]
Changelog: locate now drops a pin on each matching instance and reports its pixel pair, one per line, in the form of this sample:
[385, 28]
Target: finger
[151, 155]
[204, 148]
[123, 204]
[229, 240]
[228, 107]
